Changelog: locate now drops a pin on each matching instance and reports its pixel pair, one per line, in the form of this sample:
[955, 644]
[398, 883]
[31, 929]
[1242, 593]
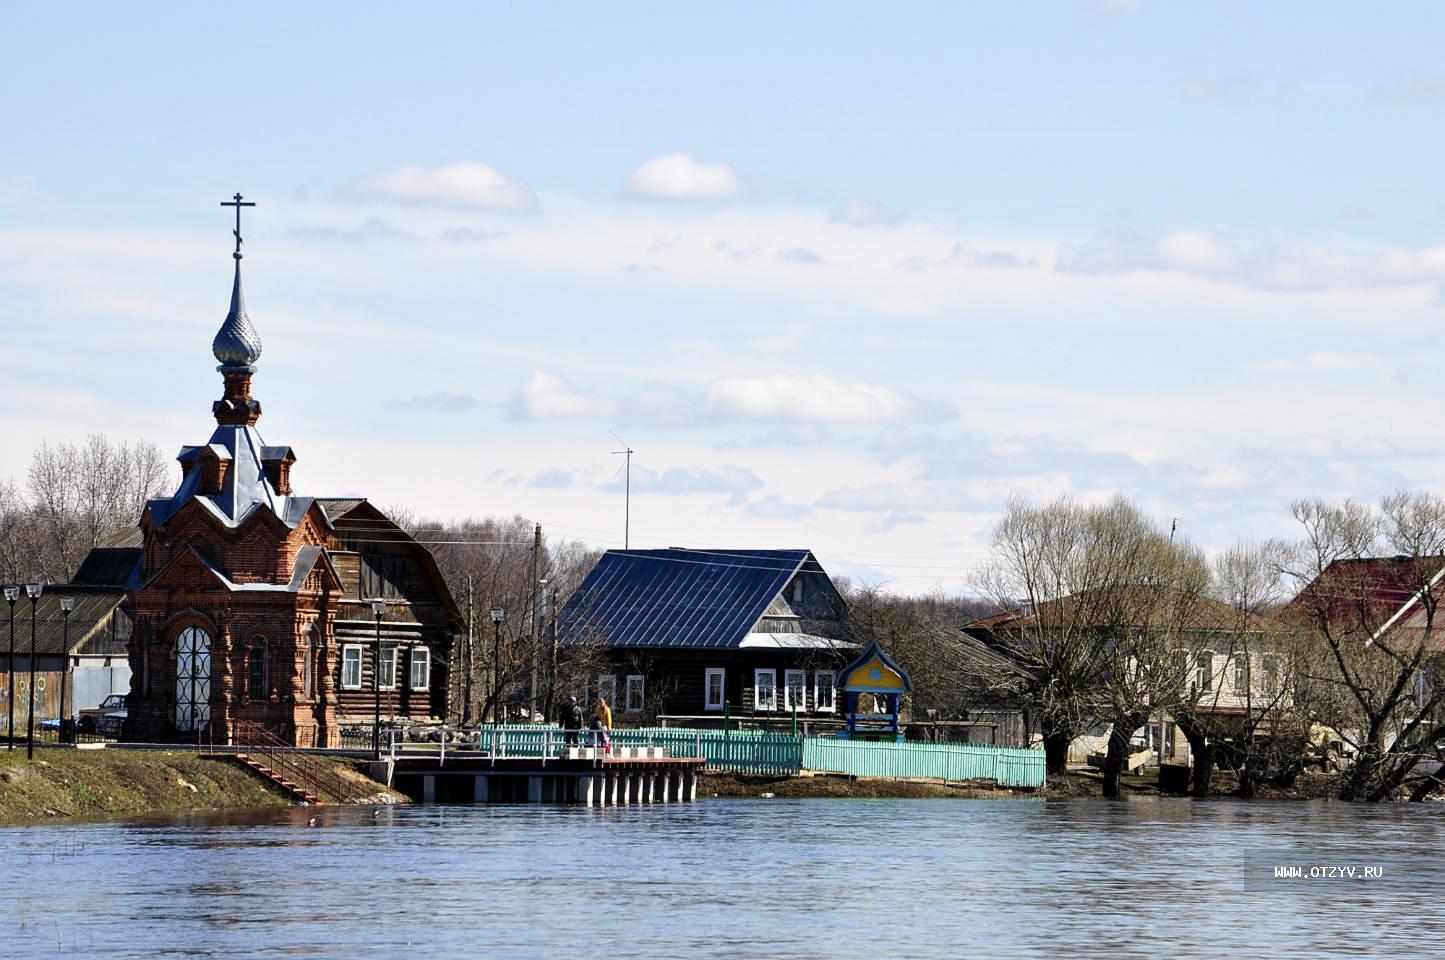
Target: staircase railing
[266, 747]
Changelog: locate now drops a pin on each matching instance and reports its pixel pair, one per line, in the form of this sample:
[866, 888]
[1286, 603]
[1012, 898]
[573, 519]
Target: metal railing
[302, 769]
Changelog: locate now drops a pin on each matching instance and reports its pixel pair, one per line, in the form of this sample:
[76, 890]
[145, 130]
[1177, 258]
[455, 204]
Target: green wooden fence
[934, 761]
[781, 754]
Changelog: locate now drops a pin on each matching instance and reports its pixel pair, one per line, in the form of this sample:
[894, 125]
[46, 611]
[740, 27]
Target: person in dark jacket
[572, 720]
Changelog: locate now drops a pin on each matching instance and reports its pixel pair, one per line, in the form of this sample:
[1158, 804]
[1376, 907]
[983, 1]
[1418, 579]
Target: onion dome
[237, 344]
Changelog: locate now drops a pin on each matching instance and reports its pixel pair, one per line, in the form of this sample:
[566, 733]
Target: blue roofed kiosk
[873, 673]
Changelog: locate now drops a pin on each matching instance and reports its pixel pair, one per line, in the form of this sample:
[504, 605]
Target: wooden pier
[581, 775]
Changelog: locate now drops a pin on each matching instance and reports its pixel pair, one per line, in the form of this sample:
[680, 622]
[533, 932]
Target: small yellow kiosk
[875, 676]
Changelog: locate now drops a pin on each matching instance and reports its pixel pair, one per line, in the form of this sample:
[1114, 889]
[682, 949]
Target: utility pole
[468, 661]
[536, 615]
[627, 452]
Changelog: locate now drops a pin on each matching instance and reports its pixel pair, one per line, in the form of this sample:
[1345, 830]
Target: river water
[735, 879]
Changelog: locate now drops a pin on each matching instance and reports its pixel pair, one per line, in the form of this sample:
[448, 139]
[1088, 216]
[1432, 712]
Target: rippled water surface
[733, 878]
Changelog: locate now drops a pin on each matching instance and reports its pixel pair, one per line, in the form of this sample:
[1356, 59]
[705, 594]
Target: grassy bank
[89, 783]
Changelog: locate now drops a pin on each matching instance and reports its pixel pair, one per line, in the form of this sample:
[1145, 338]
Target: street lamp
[12, 593]
[67, 604]
[33, 591]
[378, 607]
[498, 615]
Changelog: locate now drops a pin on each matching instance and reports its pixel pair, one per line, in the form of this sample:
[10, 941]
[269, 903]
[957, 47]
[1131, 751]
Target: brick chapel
[254, 603]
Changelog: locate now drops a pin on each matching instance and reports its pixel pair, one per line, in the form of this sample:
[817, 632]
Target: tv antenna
[626, 452]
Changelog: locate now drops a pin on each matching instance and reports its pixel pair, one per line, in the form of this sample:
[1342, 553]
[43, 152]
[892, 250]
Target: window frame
[722, 688]
[346, 650]
[772, 674]
[411, 669]
[1204, 671]
[257, 657]
[308, 665]
[789, 676]
[641, 693]
[832, 688]
[1243, 675]
[388, 653]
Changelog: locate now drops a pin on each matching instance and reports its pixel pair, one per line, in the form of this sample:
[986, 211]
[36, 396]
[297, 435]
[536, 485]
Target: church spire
[237, 346]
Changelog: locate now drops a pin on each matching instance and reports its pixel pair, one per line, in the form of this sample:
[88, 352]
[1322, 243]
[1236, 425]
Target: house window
[1204, 671]
[1241, 674]
[765, 689]
[634, 692]
[795, 685]
[1269, 663]
[798, 590]
[386, 669]
[256, 669]
[823, 691]
[351, 666]
[419, 670]
[714, 684]
[607, 688]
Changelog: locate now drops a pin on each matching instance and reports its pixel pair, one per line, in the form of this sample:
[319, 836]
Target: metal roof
[110, 567]
[677, 598]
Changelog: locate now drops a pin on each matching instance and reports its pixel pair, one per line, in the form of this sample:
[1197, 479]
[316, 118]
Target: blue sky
[846, 276]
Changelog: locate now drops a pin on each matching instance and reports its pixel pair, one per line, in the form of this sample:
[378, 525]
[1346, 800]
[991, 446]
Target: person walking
[602, 723]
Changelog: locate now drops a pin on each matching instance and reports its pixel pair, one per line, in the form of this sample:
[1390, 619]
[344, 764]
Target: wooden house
[699, 635]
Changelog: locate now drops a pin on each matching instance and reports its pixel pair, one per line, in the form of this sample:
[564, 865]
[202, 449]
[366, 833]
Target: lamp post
[33, 591]
[498, 615]
[378, 607]
[67, 604]
[12, 593]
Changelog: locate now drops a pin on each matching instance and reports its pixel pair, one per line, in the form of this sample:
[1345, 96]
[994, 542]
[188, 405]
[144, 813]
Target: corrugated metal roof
[90, 622]
[676, 598]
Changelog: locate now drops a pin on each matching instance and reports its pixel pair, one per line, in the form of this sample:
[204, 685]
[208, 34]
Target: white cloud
[548, 396]
[790, 397]
[1258, 263]
[464, 184]
[865, 213]
[680, 176]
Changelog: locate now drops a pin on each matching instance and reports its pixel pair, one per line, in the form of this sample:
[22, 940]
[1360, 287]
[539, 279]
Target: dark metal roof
[676, 598]
[109, 567]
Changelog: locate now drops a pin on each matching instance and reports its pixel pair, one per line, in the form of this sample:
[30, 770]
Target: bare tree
[75, 498]
[1372, 585]
[1101, 596]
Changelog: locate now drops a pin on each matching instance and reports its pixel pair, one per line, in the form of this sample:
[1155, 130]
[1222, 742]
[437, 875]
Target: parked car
[106, 719]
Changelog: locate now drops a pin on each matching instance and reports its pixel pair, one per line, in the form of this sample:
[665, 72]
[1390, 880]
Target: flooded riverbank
[734, 879]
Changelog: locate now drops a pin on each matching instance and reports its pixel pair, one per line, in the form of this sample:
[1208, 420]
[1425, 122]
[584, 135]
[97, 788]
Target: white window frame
[347, 649]
[1204, 671]
[634, 704]
[801, 676]
[798, 590]
[607, 688]
[820, 704]
[771, 704]
[722, 688]
[1243, 676]
[422, 655]
[388, 653]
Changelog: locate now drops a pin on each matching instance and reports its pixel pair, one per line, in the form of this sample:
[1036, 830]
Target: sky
[844, 276]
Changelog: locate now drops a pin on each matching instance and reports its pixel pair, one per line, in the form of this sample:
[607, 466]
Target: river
[739, 879]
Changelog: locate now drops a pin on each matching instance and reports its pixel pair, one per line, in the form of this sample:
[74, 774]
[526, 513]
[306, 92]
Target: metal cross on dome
[238, 204]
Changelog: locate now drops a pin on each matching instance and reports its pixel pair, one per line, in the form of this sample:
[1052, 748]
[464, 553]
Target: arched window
[256, 688]
[308, 665]
[193, 679]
